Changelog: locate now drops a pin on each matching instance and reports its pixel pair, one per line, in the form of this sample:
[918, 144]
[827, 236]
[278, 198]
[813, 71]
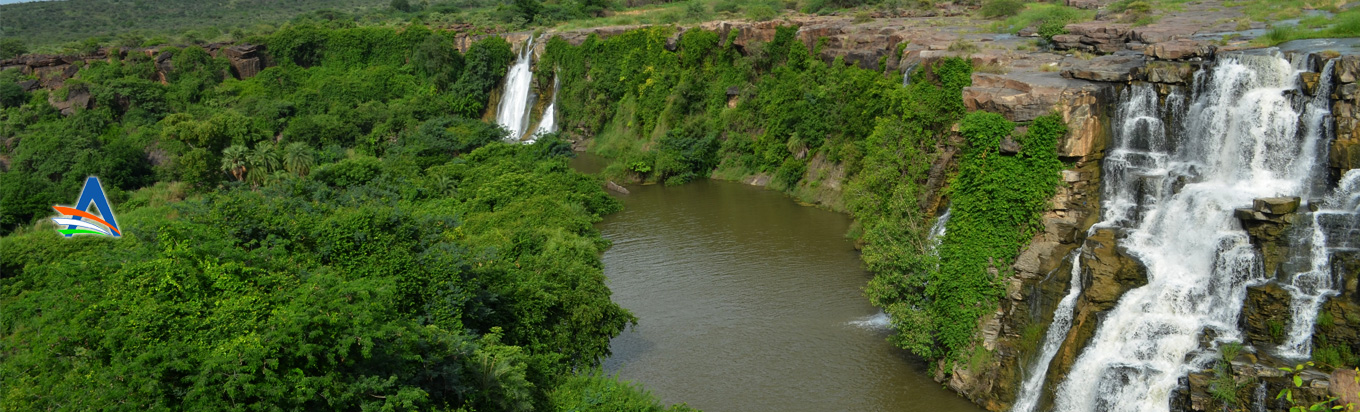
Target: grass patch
[1330, 356]
[992, 68]
[1049, 18]
[1031, 336]
[1344, 24]
[963, 46]
[1274, 10]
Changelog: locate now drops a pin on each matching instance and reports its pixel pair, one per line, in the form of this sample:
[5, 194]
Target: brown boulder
[1180, 50]
[1158, 33]
[1103, 69]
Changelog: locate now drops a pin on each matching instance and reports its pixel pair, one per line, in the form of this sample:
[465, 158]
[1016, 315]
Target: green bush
[1000, 8]
[1048, 18]
[761, 12]
[594, 391]
[727, 6]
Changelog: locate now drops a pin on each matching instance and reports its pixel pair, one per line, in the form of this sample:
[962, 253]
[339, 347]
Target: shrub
[863, 16]
[964, 46]
[12, 47]
[761, 12]
[1001, 8]
[727, 6]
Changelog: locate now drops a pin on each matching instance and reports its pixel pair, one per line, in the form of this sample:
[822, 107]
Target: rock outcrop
[1265, 315]
[1266, 222]
[1345, 150]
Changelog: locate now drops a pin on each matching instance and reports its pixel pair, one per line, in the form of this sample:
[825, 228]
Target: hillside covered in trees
[336, 233]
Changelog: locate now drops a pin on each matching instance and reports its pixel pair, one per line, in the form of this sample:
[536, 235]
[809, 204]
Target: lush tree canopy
[332, 234]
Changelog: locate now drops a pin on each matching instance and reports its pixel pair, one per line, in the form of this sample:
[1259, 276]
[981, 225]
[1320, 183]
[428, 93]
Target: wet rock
[1345, 155]
[1310, 82]
[1276, 205]
[1266, 222]
[615, 187]
[1265, 314]
[1108, 273]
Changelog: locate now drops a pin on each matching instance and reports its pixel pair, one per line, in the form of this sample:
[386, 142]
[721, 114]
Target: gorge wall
[1067, 265]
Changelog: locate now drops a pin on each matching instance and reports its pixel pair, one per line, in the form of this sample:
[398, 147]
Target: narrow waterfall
[937, 230]
[933, 238]
[1311, 287]
[548, 125]
[1033, 385]
[513, 112]
[1172, 193]
[1334, 226]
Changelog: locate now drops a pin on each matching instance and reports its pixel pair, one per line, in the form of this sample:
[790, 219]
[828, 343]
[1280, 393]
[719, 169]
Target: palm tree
[262, 161]
[234, 161]
[297, 158]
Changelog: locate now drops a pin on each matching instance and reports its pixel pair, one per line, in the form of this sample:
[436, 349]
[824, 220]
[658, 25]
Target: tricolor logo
[72, 217]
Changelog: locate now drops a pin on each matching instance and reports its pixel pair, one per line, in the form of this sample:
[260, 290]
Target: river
[747, 301]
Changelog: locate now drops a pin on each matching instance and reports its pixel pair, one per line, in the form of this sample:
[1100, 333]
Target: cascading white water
[1335, 226]
[1033, 386]
[513, 112]
[1311, 287]
[548, 124]
[1142, 134]
[1173, 198]
[937, 230]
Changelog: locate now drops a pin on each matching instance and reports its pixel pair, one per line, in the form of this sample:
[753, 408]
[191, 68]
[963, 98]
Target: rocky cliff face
[52, 71]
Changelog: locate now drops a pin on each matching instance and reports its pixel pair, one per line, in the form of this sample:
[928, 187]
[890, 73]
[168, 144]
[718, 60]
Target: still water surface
[748, 301]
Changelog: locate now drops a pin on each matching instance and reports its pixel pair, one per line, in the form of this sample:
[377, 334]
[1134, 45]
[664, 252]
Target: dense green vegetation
[335, 233]
[780, 111]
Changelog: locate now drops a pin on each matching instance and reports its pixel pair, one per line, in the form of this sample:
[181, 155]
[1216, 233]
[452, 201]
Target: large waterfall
[1178, 167]
[513, 112]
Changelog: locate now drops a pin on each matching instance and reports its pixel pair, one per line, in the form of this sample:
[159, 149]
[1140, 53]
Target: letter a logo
[73, 217]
